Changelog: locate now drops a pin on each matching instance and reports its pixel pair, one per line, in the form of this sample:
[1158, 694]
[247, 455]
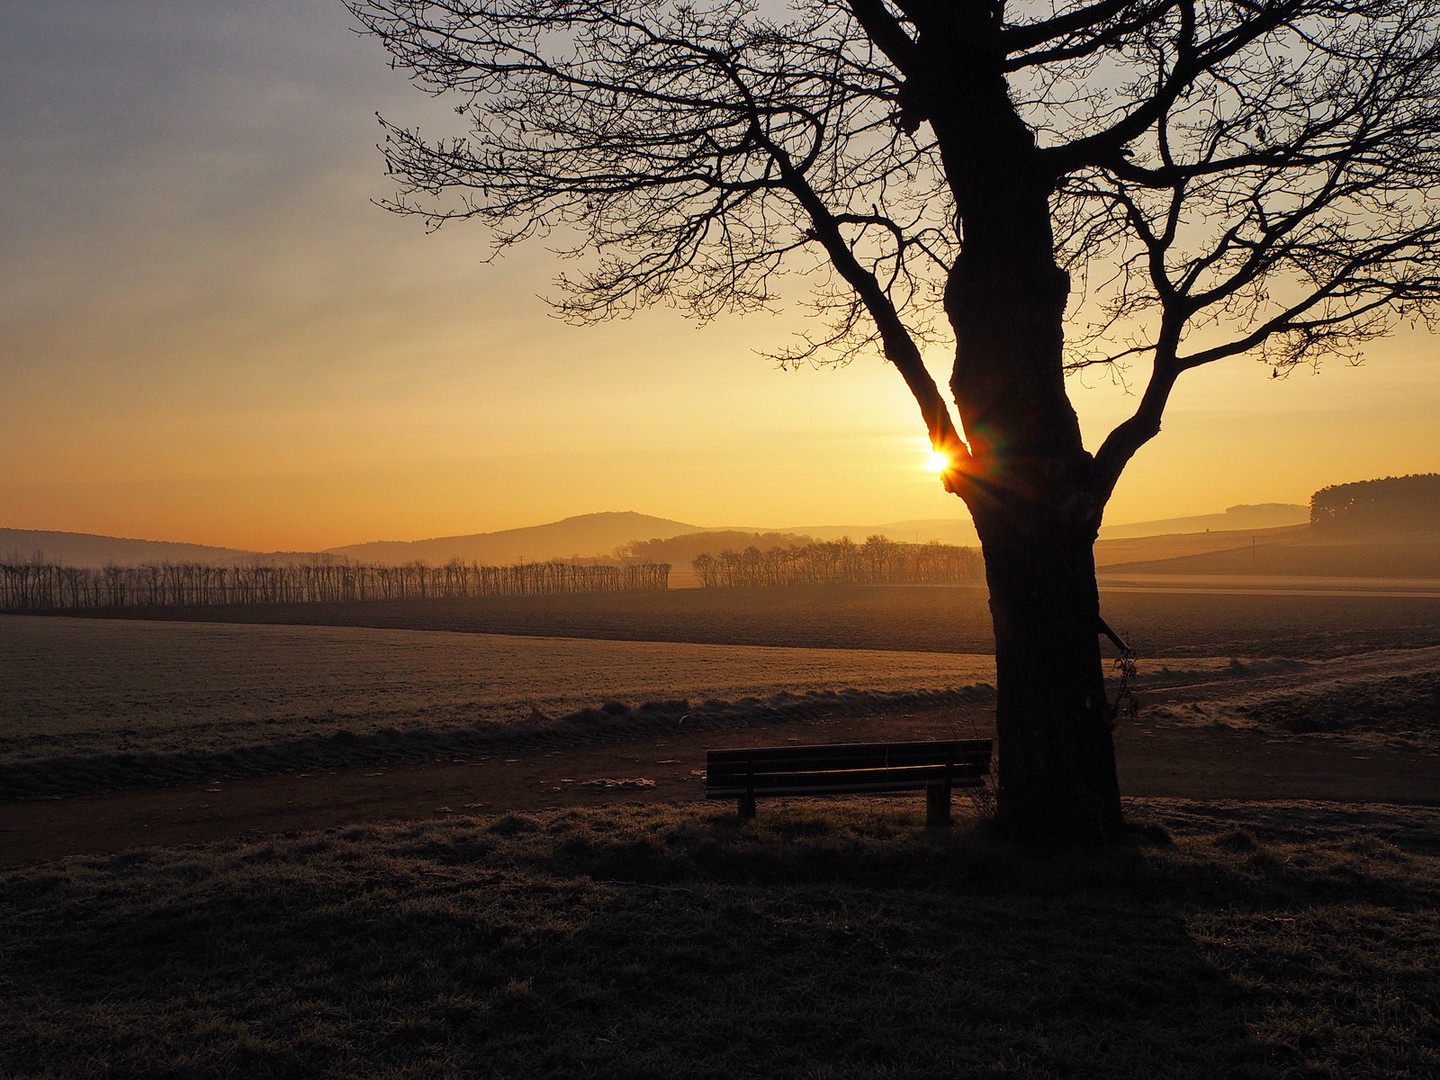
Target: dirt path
[1237, 682]
[1155, 761]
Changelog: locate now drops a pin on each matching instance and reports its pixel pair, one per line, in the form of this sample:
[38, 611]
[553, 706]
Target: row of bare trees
[878, 561]
[41, 586]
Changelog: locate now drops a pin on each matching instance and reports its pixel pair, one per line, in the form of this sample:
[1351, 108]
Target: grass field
[92, 704]
[1266, 941]
[825, 940]
[98, 704]
[99, 686]
[952, 619]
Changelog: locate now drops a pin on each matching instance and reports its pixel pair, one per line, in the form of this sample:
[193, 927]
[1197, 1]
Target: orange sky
[209, 334]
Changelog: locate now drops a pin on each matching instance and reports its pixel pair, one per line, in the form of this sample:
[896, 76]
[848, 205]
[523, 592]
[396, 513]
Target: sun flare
[938, 462]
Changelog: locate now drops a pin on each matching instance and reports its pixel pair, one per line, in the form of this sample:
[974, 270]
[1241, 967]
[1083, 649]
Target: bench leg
[937, 806]
[747, 807]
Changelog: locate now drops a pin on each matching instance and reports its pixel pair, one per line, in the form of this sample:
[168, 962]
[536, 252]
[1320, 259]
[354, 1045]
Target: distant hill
[1245, 517]
[88, 549]
[1387, 528]
[960, 530]
[1125, 552]
[1265, 538]
[1302, 551]
[584, 536]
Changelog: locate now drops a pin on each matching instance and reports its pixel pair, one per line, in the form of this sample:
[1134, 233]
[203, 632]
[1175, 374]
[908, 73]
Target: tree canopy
[1221, 176]
[1395, 503]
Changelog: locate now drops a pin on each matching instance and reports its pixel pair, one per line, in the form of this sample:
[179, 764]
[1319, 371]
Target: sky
[209, 333]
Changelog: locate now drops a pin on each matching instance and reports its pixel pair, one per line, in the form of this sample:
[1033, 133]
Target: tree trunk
[1031, 496]
[1032, 499]
[1037, 517]
[1029, 481]
[1057, 759]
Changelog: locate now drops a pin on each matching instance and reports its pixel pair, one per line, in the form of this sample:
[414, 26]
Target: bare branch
[1221, 177]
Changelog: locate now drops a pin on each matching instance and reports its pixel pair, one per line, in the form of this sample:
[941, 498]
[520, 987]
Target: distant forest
[1395, 504]
[40, 586]
[878, 561]
[685, 548]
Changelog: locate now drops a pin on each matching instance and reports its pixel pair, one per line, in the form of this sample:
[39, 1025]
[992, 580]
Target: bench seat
[849, 769]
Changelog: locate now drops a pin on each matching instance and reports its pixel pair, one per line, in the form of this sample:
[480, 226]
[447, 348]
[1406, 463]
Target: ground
[221, 723]
[1214, 735]
[467, 840]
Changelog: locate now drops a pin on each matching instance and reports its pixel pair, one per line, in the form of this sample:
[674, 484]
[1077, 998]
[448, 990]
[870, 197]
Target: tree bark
[1037, 514]
[1033, 499]
[1057, 781]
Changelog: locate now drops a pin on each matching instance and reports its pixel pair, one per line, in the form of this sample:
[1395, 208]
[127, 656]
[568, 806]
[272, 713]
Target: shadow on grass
[673, 942]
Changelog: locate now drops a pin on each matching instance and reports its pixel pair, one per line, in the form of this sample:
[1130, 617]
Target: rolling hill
[583, 536]
[89, 549]
[587, 535]
[1167, 547]
[1247, 518]
[1298, 551]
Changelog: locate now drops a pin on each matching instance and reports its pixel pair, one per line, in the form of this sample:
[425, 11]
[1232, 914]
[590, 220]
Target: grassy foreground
[825, 940]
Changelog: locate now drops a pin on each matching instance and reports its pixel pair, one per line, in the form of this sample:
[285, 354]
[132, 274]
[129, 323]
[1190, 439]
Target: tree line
[1395, 502]
[40, 586]
[878, 561]
[686, 547]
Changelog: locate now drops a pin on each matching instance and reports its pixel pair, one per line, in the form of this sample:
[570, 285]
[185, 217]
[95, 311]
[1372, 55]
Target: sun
[938, 462]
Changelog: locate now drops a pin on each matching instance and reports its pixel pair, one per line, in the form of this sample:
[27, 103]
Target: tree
[1153, 185]
[1395, 504]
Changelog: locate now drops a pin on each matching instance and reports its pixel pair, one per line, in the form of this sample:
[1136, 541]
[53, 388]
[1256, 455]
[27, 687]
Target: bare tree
[1033, 187]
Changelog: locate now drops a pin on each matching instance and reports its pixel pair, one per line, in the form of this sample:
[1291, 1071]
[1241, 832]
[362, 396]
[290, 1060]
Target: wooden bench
[848, 769]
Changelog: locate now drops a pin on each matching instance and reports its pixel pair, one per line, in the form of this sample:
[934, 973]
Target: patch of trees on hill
[878, 561]
[40, 586]
[686, 547]
[1395, 503]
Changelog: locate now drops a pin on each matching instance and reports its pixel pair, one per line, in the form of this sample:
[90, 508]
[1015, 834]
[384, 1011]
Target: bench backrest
[727, 768]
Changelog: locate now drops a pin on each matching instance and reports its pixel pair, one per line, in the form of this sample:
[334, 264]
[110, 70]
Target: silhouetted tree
[878, 561]
[1394, 504]
[40, 586]
[1038, 186]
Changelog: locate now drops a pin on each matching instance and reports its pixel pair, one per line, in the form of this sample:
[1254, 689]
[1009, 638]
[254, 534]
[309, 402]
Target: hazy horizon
[209, 332]
[960, 520]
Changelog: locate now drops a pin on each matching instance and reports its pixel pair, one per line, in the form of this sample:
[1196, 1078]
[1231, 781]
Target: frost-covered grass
[92, 704]
[108, 686]
[111, 703]
[1388, 699]
[823, 940]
